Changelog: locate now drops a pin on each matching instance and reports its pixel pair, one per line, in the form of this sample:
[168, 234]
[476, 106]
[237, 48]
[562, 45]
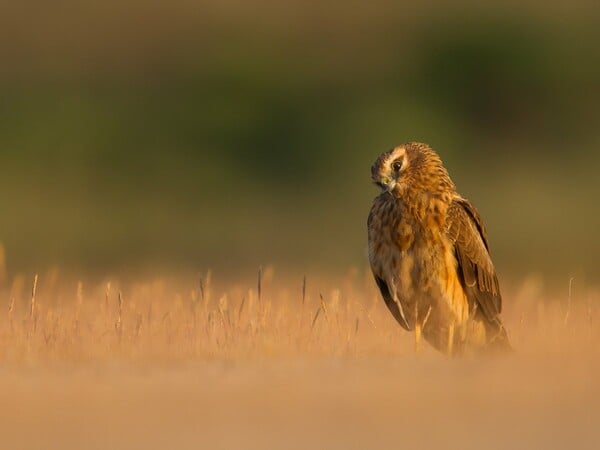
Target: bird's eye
[397, 165]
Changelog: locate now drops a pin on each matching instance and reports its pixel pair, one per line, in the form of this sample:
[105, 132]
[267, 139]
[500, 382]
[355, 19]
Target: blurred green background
[229, 134]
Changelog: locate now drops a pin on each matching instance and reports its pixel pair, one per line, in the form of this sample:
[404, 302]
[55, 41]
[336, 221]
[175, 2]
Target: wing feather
[384, 283]
[392, 303]
[465, 228]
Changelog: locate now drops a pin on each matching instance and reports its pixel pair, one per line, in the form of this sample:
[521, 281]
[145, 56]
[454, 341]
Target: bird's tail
[498, 340]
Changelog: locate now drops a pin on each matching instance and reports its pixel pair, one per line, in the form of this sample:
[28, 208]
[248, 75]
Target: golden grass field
[199, 362]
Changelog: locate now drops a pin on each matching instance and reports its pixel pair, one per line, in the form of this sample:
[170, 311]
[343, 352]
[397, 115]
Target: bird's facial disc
[390, 169]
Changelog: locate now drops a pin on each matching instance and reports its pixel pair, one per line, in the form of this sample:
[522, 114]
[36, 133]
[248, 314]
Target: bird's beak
[386, 184]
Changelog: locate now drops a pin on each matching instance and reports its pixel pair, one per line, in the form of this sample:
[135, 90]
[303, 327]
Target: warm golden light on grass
[162, 320]
[297, 363]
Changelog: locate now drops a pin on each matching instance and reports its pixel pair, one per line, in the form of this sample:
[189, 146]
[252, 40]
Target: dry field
[200, 362]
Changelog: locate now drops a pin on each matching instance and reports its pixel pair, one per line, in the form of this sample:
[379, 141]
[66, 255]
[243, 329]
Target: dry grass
[289, 363]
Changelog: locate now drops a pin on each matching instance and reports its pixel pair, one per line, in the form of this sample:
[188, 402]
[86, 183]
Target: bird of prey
[429, 254]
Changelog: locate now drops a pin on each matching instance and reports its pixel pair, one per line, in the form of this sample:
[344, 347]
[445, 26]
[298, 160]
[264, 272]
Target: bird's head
[412, 167]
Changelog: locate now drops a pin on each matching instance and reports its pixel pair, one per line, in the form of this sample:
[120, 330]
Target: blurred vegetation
[229, 134]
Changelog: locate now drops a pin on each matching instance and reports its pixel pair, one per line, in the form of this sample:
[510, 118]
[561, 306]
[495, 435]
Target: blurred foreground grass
[188, 320]
[176, 362]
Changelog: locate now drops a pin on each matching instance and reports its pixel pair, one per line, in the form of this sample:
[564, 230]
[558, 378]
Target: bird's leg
[450, 338]
[398, 303]
[419, 326]
[467, 328]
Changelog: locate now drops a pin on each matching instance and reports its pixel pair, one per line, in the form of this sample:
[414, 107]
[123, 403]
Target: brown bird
[429, 254]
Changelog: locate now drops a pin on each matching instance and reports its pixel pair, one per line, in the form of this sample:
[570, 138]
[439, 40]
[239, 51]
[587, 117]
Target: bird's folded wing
[386, 286]
[465, 229]
[392, 302]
